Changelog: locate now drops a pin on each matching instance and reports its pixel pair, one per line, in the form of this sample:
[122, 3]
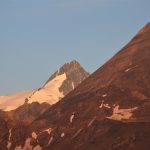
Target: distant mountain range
[109, 110]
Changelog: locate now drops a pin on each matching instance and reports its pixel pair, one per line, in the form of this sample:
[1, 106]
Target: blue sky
[38, 36]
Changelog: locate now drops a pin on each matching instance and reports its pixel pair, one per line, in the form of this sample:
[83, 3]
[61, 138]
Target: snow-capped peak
[57, 86]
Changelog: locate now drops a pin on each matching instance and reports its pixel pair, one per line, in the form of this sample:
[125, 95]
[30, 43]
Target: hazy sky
[38, 36]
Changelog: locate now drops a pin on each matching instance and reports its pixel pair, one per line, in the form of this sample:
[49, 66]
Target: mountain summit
[60, 83]
[74, 73]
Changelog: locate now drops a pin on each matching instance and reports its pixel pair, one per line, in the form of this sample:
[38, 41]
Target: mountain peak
[74, 61]
[69, 68]
[74, 74]
[74, 64]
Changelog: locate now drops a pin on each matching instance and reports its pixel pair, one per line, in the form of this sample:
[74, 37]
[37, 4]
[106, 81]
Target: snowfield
[11, 102]
[50, 93]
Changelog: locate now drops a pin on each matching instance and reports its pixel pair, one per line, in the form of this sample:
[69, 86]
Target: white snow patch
[50, 141]
[62, 135]
[107, 106]
[77, 133]
[104, 105]
[91, 122]
[72, 117]
[50, 93]
[104, 95]
[34, 135]
[9, 135]
[119, 114]
[73, 85]
[38, 147]
[128, 69]
[48, 131]
[9, 143]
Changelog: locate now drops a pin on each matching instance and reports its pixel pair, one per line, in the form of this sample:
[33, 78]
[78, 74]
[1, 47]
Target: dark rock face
[3, 133]
[110, 110]
[75, 75]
